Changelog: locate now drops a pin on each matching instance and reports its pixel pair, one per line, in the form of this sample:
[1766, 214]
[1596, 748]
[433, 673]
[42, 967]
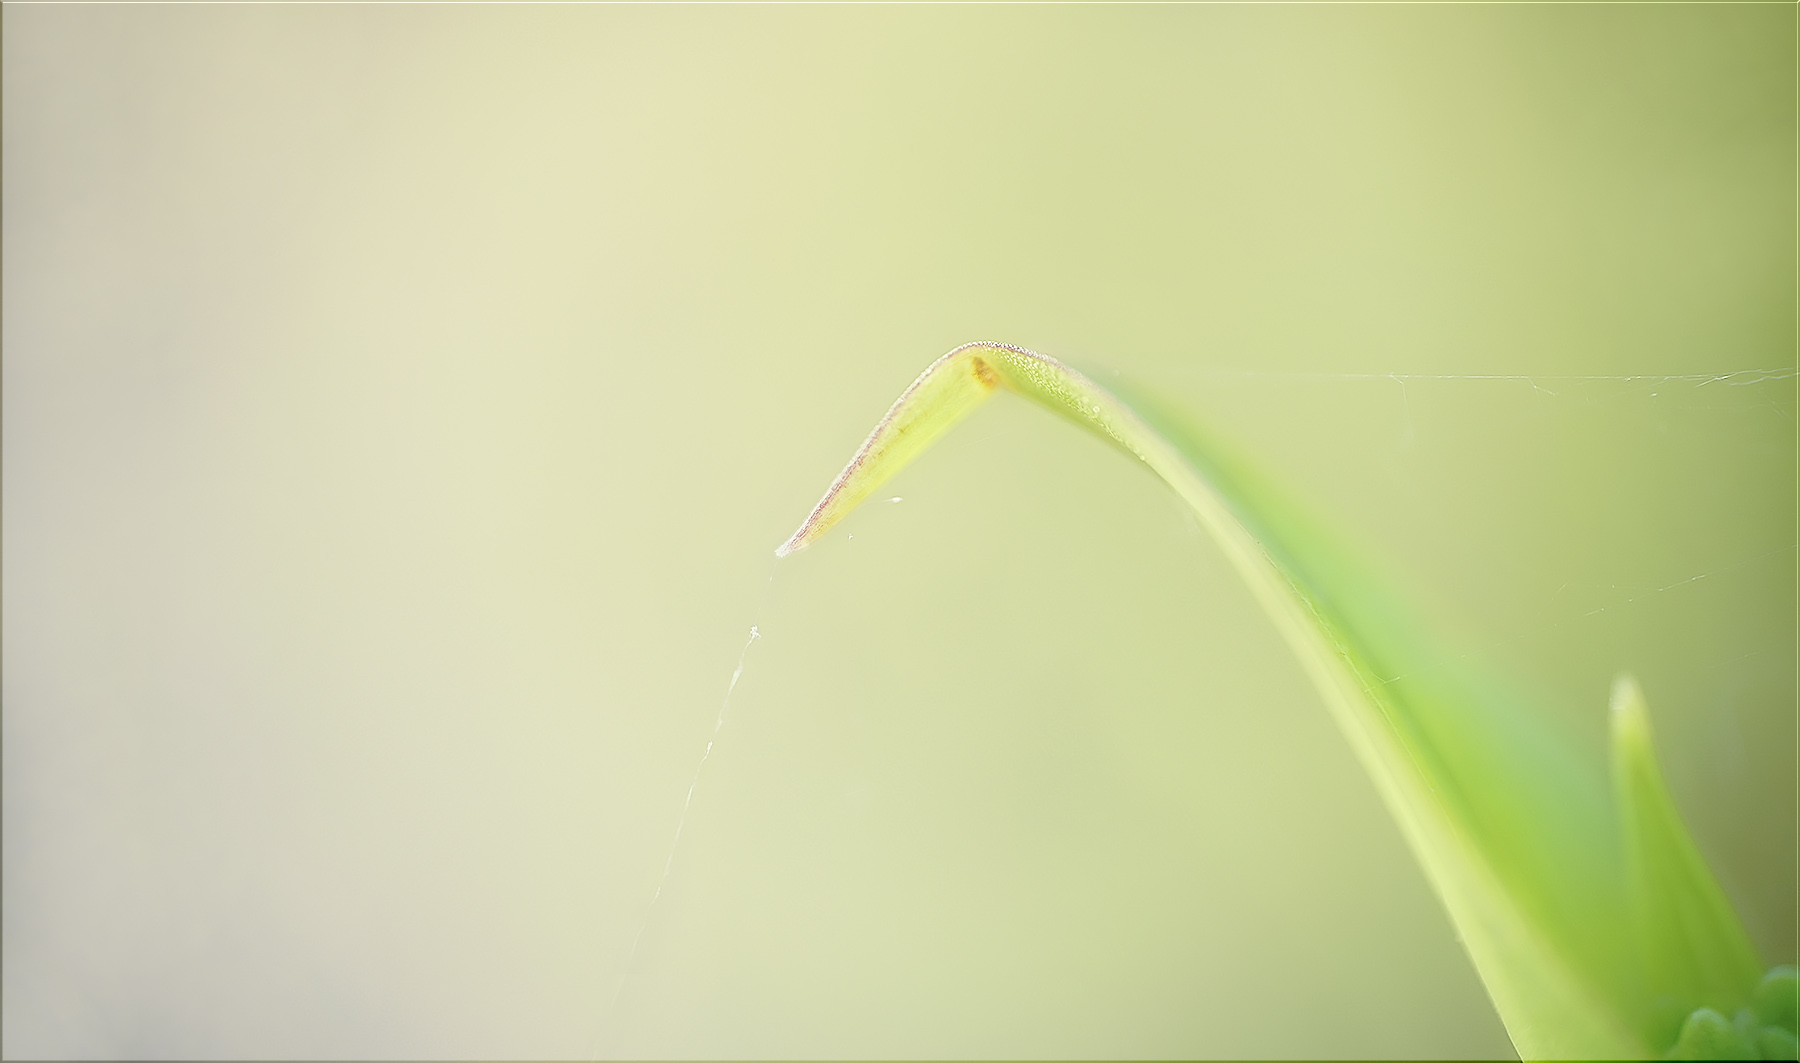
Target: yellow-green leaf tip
[946, 392]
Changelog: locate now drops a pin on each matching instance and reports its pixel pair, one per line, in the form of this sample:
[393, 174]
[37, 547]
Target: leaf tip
[1625, 693]
[1630, 716]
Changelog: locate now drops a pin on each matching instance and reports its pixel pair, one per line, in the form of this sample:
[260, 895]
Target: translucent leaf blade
[1693, 949]
[1519, 837]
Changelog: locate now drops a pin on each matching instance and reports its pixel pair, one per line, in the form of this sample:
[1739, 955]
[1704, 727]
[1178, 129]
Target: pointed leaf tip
[1694, 954]
[947, 391]
[1564, 988]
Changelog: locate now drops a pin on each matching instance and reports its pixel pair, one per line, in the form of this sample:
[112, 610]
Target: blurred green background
[401, 407]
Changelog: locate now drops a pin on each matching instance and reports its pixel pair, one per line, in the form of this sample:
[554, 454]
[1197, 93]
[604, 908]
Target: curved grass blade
[1518, 836]
[946, 392]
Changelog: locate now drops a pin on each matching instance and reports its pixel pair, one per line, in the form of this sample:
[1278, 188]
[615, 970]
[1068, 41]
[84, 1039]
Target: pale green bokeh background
[402, 405]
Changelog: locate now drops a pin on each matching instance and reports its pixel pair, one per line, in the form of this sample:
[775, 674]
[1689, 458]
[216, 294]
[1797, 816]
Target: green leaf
[1693, 950]
[1777, 999]
[1709, 1035]
[946, 392]
[1518, 835]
